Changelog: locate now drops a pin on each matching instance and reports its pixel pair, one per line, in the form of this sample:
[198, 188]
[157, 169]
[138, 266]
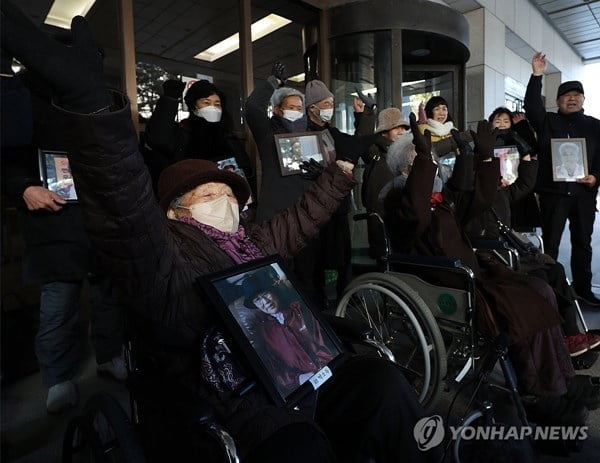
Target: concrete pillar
[129, 66]
[485, 68]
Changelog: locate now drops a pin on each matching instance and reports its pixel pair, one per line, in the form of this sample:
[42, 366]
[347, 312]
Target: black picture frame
[569, 159]
[295, 148]
[55, 174]
[277, 357]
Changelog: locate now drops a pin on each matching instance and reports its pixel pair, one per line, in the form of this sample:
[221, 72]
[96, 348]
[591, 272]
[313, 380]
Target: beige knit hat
[389, 119]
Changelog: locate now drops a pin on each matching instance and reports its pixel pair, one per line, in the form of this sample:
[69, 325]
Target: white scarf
[439, 129]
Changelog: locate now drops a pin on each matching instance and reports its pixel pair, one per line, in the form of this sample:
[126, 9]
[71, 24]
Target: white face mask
[292, 115]
[218, 213]
[210, 113]
[326, 114]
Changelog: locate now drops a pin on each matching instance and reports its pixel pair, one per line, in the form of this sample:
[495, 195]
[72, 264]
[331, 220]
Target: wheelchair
[172, 430]
[423, 310]
[157, 430]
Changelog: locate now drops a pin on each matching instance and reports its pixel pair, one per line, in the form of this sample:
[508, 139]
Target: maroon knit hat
[183, 176]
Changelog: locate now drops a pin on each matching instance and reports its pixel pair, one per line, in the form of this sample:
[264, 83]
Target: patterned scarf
[236, 245]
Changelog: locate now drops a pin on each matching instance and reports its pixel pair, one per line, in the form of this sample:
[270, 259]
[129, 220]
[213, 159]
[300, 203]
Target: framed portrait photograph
[569, 159]
[291, 350]
[295, 148]
[509, 162]
[55, 174]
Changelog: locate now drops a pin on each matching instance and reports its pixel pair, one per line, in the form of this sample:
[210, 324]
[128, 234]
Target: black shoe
[589, 299]
[556, 411]
[584, 390]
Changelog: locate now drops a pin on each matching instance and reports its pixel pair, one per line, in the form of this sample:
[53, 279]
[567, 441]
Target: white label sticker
[320, 377]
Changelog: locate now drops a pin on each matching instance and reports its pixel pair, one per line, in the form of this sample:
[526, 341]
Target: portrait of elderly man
[292, 338]
[569, 162]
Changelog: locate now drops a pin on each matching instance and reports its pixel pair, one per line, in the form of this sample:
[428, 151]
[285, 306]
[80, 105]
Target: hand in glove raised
[463, 146]
[485, 140]
[422, 141]
[277, 71]
[367, 99]
[74, 73]
[173, 88]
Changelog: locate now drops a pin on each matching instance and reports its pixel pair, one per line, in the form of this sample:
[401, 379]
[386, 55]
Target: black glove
[521, 144]
[485, 140]
[366, 99]
[463, 146]
[311, 170]
[277, 71]
[74, 73]
[421, 141]
[173, 88]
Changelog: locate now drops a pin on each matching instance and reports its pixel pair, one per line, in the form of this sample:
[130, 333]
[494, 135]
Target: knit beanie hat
[389, 119]
[183, 176]
[316, 91]
[282, 93]
[201, 89]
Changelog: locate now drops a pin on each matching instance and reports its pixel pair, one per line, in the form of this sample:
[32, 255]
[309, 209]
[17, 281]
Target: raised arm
[121, 216]
[534, 106]
[289, 231]
[255, 109]
[162, 132]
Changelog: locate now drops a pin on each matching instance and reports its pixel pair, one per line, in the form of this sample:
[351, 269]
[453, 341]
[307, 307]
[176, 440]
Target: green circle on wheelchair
[447, 303]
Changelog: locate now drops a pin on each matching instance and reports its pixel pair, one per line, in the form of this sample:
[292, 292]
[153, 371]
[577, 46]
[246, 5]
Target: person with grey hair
[277, 192]
[570, 166]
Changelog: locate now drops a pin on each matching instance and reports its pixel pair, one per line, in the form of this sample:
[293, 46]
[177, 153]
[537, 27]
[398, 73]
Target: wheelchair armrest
[429, 261]
[489, 243]
[351, 330]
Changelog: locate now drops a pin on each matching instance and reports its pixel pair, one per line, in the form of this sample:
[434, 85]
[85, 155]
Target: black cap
[571, 85]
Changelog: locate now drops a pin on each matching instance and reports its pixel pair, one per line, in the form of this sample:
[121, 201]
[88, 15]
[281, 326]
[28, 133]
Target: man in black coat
[560, 201]
[58, 255]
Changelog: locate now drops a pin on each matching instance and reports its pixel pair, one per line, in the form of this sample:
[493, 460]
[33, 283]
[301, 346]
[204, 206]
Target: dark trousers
[365, 413]
[554, 275]
[581, 212]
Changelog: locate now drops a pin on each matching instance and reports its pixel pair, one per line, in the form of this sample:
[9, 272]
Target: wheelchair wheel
[102, 434]
[80, 443]
[402, 322]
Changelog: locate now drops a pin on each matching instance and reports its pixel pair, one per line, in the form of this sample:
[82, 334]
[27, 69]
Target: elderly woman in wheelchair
[425, 215]
[365, 412]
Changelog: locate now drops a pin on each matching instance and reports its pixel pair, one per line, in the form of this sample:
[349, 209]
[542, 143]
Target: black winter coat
[56, 246]
[156, 261]
[558, 125]
[277, 192]
[193, 137]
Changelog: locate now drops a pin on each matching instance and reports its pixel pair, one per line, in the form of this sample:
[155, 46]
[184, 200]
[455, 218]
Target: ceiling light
[413, 82]
[297, 78]
[62, 11]
[258, 30]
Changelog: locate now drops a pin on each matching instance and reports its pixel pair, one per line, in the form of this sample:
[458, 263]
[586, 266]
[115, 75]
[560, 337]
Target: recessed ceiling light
[297, 78]
[258, 30]
[63, 11]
